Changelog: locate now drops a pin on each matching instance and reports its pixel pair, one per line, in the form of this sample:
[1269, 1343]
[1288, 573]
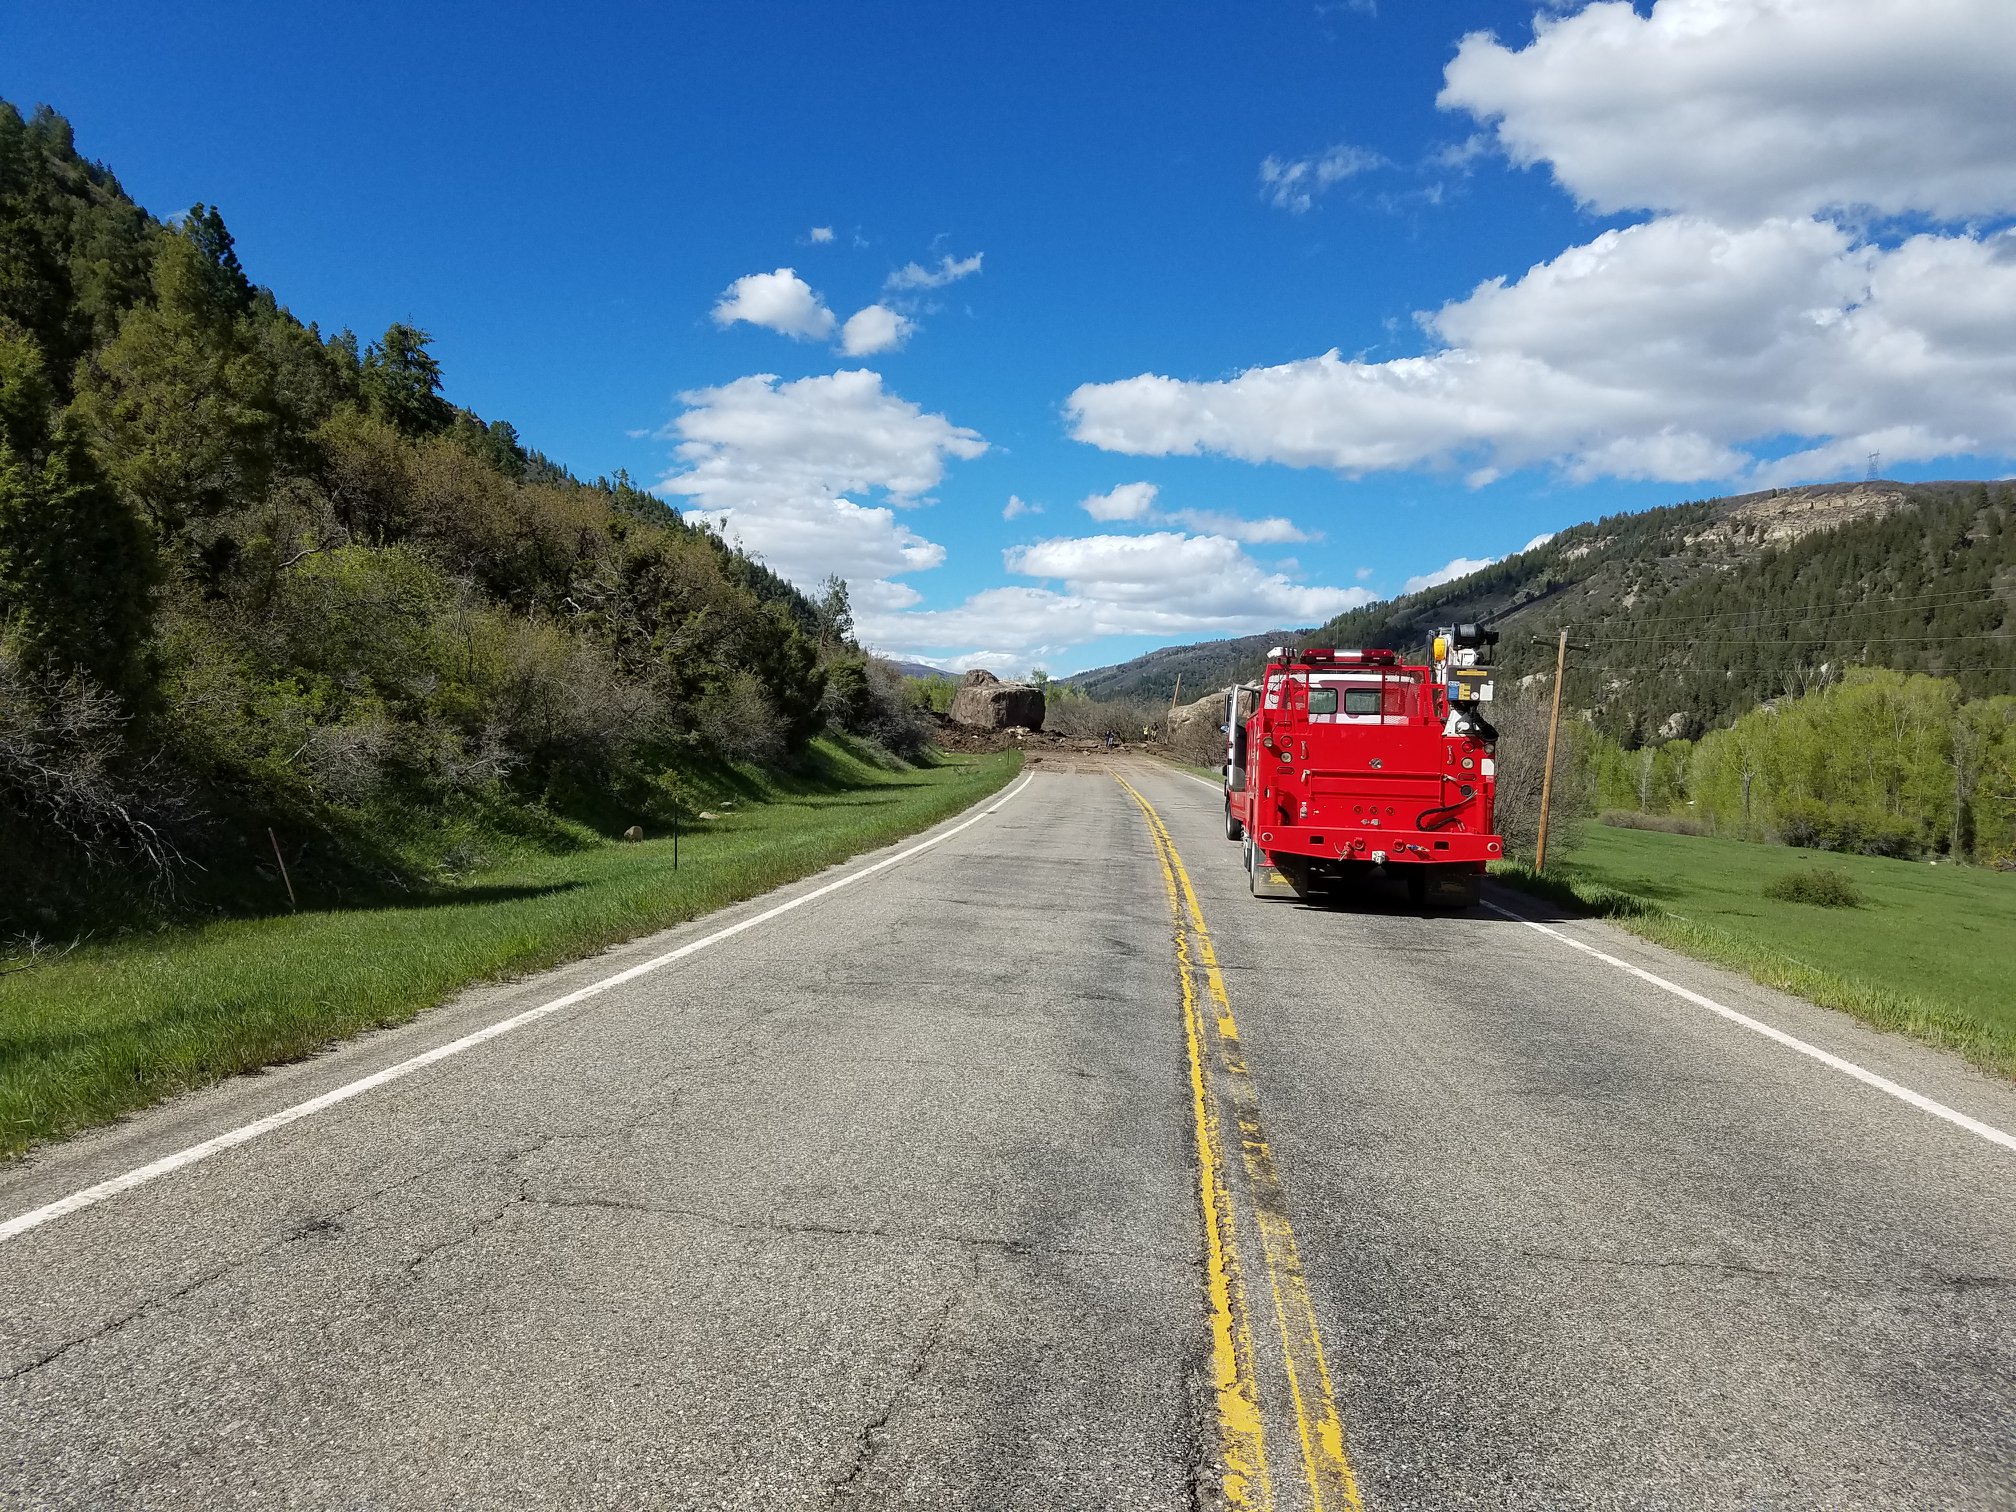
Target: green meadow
[1928, 951]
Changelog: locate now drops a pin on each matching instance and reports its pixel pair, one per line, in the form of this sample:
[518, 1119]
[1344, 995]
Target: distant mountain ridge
[1686, 615]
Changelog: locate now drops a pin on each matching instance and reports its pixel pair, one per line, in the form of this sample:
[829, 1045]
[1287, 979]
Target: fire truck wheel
[1234, 830]
[1298, 874]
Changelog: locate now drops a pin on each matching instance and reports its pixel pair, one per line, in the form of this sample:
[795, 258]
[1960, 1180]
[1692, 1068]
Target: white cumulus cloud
[1135, 502]
[1759, 328]
[1745, 109]
[1464, 566]
[1130, 501]
[1166, 584]
[949, 270]
[876, 328]
[1666, 351]
[779, 301]
[1448, 573]
[771, 464]
[1016, 507]
[1293, 184]
[819, 235]
[1273, 530]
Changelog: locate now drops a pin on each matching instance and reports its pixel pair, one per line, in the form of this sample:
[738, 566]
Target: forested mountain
[1200, 668]
[1685, 617]
[254, 576]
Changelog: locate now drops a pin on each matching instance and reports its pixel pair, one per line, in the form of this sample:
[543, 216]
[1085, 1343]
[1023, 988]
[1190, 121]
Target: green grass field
[1930, 952]
[111, 1028]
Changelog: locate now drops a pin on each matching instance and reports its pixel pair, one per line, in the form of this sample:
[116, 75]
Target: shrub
[737, 719]
[1883, 835]
[1812, 825]
[1075, 716]
[1665, 824]
[1805, 823]
[76, 805]
[1822, 886]
[1522, 759]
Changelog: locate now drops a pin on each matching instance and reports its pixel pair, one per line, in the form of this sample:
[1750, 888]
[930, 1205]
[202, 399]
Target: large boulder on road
[984, 702]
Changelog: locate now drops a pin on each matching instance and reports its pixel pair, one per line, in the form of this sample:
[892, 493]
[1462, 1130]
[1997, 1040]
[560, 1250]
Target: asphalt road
[893, 1200]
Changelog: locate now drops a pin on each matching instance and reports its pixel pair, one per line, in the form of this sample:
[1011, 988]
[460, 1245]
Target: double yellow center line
[1220, 1080]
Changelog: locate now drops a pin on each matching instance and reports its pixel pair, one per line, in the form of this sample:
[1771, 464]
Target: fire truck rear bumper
[1393, 846]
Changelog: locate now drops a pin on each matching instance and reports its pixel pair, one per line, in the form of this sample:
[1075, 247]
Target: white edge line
[1791, 1042]
[1216, 787]
[91, 1196]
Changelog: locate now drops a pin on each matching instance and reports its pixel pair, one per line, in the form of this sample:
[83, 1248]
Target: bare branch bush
[348, 762]
[1198, 741]
[1086, 718]
[893, 722]
[559, 701]
[737, 719]
[70, 788]
[1522, 760]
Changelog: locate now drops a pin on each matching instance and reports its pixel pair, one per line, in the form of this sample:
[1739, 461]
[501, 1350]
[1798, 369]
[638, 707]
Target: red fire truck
[1342, 762]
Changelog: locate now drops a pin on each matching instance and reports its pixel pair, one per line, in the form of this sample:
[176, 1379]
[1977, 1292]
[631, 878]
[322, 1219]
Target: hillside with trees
[1831, 666]
[258, 578]
[1687, 616]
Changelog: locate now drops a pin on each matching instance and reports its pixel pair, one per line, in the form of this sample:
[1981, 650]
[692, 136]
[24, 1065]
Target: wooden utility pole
[1547, 773]
[1178, 693]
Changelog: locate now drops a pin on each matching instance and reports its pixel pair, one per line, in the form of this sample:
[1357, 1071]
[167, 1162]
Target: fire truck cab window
[1322, 700]
[1360, 701]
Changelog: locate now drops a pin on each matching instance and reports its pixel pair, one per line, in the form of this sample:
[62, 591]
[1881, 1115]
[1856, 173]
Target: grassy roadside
[1928, 954]
[113, 1028]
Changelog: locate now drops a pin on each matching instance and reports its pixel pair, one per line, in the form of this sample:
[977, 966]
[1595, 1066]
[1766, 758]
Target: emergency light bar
[1326, 656]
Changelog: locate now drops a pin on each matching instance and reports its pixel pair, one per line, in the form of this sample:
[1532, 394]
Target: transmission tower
[1875, 463]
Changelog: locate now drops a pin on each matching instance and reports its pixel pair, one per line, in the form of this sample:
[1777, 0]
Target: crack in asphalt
[872, 1438]
[411, 1265]
[322, 1225]
[1473, 1253]
[1939, 1281]
[1013, 1247]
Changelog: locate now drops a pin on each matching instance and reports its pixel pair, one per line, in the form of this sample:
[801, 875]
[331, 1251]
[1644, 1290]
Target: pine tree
[402, 382]
[78, 570]
[180, 406]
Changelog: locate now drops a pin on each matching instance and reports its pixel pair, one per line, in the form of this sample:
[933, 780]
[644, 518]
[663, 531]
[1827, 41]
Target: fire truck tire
[1234, 830]
[1442, 887]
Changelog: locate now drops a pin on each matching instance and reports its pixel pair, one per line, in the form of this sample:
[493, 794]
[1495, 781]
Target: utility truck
[1342, 763]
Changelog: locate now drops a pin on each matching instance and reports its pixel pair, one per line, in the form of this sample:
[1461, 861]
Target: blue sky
[1613, 258]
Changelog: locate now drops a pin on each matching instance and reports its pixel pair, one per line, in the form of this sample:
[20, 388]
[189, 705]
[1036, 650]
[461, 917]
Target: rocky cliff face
[1786, 514]
[984, 702]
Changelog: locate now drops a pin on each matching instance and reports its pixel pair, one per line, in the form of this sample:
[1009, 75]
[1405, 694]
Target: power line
[1673, 669]
[1793, 640]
